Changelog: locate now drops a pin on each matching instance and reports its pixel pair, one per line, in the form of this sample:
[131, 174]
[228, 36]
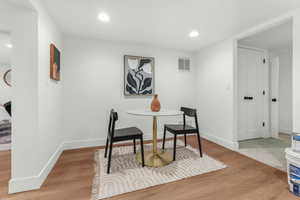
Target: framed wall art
[138, 76]
[54, 63]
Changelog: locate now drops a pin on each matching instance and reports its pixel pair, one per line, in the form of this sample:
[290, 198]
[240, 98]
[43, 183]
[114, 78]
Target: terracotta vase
[155, 105]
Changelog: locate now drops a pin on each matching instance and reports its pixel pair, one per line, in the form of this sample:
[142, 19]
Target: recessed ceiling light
[104, 17]
[194, 34]
[10, 46]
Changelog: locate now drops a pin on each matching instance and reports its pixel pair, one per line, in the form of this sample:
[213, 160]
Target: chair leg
[174, 148]
[142, 152]
[184, 139]
[109, 156]
[106, 147]
[164, 138]
[134, 146]
[199, 143]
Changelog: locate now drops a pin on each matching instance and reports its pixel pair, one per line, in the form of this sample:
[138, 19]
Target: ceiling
[5, 52]
[23, 3]
[164, 23]
[276, 38]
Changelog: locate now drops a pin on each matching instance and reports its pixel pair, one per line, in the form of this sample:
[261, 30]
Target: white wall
[285, 89]
[5, 90]
[296, 72]
[215, 75]
[93, 84]
[49, 91]
[23, 27]
[36, 107]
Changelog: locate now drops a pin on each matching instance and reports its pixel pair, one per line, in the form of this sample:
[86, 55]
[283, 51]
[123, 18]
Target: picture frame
[7, 77]
[139, 76]
[54, 63]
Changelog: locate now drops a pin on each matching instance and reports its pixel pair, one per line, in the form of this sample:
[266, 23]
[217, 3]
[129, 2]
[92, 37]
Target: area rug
[128, 175]
[5, 132]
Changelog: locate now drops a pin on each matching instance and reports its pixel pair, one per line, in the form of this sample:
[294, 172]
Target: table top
[150, 113]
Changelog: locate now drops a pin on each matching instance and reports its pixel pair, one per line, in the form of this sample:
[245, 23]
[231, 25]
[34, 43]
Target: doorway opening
[5, 90]
[264, 70]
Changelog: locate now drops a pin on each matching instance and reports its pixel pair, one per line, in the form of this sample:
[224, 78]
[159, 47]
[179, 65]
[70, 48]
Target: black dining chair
[118, 135]
[7, 107]
[183, 129]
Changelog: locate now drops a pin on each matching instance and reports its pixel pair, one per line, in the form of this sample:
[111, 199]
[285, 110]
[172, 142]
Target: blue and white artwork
[138, 76]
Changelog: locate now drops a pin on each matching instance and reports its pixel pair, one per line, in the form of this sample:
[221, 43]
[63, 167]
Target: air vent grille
[184, 64]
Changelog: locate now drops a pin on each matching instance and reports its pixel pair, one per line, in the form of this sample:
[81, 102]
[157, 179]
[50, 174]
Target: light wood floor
[244, 179]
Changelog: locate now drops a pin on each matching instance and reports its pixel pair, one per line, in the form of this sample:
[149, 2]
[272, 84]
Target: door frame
[272, 134]
[266, 104]
[254, 30]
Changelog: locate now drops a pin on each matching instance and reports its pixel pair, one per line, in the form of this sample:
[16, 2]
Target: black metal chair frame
[112, 138]
[184, 131]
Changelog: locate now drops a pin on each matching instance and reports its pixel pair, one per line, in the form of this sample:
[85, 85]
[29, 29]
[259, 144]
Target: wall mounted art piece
[7, 77]
[54, 63]
[138, 76]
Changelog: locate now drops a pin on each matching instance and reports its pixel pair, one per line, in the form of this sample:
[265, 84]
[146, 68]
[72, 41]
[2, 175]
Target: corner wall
[49, 92]
[215, 93]
[22, 24]
[36, 121]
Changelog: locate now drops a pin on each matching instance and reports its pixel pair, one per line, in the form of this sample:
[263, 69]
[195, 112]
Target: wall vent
[184, 64]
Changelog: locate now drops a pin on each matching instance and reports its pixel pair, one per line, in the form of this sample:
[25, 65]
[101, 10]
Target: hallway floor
[267, 150]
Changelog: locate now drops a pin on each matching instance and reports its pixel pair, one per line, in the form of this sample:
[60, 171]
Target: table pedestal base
[158, 159]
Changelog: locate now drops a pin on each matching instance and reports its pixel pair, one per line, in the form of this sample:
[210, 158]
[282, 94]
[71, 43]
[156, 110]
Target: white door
[274, 81]
[252, 93]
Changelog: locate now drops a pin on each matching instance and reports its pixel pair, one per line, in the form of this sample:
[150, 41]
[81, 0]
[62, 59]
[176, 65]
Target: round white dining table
[156, 157]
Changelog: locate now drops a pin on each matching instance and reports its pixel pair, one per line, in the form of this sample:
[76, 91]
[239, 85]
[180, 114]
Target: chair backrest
[7, 107]
[190, 112]
[113, 117]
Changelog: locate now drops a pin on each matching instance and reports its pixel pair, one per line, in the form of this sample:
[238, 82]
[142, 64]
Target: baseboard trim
[79, 144]
[220, 141]
[23, 184]
[35, 182]
[286, 131]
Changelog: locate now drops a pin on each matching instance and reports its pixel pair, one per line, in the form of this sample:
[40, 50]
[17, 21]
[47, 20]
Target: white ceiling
[5, 53]
[164, 23]
[276, 38]
[22, 3]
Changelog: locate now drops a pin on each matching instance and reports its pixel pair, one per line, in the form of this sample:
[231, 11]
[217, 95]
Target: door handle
[274, 100]
[248, 98]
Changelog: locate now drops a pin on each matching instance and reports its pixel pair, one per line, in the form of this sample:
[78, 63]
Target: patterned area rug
[5, 132]
[128, 175]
